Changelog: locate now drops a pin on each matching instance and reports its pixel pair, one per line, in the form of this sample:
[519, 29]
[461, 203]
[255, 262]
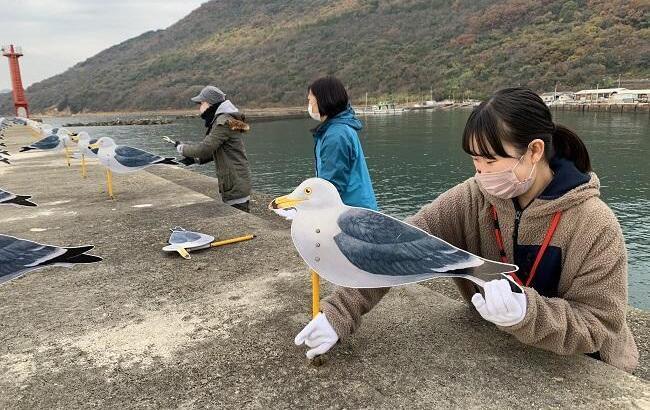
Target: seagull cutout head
[67, 139]
[103, 142]
[84, 144]
[61, 131]
[83, 136]
[311, 194]
[103, 149]
[362, 248]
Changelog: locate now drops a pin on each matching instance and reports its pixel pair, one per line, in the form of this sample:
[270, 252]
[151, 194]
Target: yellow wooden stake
[315, 294]
[109, 182]
[83, 166]
[315, 310]
[233, 240]
[183, 252]
[67, 156]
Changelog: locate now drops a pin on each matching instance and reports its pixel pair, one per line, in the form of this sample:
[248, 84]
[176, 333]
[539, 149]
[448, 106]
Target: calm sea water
[416, 156]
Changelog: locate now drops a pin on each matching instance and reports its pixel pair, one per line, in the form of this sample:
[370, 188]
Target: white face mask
[314, 115]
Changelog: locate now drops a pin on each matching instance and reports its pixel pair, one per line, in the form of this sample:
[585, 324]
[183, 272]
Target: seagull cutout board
[124, 159]
[20, 256]
[183, 241]
[83, 143]
[361, 248]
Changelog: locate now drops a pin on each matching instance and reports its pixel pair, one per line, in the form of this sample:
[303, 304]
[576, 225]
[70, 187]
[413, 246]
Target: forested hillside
[265, 53]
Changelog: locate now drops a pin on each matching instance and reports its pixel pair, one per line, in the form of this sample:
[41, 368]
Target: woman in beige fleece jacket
[533, 186]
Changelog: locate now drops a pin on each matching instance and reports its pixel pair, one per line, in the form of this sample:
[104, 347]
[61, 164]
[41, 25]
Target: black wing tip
[83, 258]
[23, 149]
[22, 200]
[78, 250]
[75, 254]
[169, 161]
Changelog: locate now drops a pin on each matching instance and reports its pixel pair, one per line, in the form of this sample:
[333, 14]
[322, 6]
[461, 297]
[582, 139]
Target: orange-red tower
[20, 102]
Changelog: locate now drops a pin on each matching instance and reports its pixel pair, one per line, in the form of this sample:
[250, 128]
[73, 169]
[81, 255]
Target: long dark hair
[331, 96]
[519, 116]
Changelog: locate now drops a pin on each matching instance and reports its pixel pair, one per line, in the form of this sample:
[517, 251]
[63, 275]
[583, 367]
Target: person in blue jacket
[338, 154]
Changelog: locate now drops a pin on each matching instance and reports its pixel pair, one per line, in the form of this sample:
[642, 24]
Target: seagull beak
[74, 138]
[284, 202]
[93, 146]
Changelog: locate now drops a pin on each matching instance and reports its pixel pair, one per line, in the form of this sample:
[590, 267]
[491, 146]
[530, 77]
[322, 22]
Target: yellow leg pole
[67, 156]
[233, 240]
[109, 182]
[183, 252]
[315, 294]
[315, 309]
[83, 166]
[107, 179]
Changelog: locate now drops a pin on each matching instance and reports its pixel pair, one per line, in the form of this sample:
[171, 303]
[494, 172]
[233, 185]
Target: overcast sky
[57, 34]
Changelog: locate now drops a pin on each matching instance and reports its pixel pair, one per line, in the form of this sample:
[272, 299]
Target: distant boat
[432, 105]
[425, 105]
[383, 108]
[470, 103]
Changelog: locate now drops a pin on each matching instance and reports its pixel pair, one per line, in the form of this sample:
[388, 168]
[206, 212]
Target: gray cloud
[55, 35]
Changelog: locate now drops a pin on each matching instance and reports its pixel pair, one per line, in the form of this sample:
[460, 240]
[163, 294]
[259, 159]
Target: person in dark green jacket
[223, 144]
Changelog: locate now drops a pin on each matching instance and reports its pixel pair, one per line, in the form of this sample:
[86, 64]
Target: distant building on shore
[598, 95]
[632, 96]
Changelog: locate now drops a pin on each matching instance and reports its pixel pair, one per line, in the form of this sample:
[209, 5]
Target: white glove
[179, 148]
[501, 305]
[288, 214]
[319, 335]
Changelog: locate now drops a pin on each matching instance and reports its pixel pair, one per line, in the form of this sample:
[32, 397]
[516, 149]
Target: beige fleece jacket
[589, 314]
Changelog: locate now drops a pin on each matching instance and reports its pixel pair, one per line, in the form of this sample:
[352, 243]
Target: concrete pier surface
[144, 328]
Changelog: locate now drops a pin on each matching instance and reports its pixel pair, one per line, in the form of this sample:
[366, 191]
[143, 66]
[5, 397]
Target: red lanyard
[547, 240]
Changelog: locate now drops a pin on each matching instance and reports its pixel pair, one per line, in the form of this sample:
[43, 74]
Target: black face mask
[208, 114]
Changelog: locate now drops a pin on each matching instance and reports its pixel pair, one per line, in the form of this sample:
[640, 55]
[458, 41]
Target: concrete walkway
[148, 329]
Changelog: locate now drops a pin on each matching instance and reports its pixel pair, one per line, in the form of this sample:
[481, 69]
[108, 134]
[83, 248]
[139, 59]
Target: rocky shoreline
[137, 121]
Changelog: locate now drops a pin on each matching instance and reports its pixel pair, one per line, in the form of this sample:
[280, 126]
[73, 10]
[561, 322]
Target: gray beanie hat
[211, 95]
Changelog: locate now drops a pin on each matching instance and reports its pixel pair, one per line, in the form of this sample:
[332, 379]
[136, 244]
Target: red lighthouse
[20, 102]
